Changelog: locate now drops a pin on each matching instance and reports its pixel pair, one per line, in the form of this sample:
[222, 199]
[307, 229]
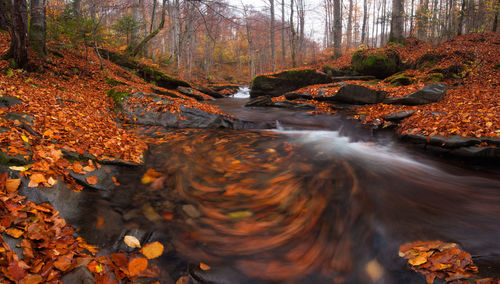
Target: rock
[477, 152]
[186, 118]
[14, 244]
[267, 102]
[80, 275]
[453, 141]
[74, 156]
[431, 93]
[434, 77]
[17, 160]
[190, 93]
[209, 92]
[117, 96]
[333, 71]
[264, 101]
[104, 176]
[8, 101]
[277, 84]
[357, 78]
[118, 162]
[378, 63]
[296, 96]
[165, 93]
[356, 94]
[396, 116]
[21, 117]
[113, 82]
[294, 106]
[399, 80]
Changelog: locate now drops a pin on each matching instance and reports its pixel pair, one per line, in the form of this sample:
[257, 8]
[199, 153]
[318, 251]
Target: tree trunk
[349, 27]
[495, 20]
[365, 18]
[292, 36]
[4, 15]
[77, 10]
[143, 43]
[337, 34]
[136, 16]
[396, 34]
[283, 50]
[19, 34]
[273, 46]
[461, 15]
[37, 35]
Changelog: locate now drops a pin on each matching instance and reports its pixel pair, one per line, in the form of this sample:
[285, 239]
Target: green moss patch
[378, 63]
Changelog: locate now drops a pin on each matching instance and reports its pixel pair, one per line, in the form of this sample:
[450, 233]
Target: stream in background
[319, 200]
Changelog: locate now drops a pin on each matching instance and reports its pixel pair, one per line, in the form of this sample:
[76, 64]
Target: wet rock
[210, 92]
[277, 84]
[17, 159]
[399, 115]
[263, 101]
[74, 156]
[63, 199]
[189, 92]
[355, 94]
[356, 78]
[80, 275]
[431, 93]
[450, 142]
[218, 275]
[8, 101]
[294, 106]
[118, 162]
[186, 118]
[13, 244]
[104, 178]
[140, 234]
[477, 152]
[296, 96]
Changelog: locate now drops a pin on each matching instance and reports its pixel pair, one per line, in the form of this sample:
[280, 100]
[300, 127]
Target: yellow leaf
[132, 241]
[51, 181]
[238, 215]
[25, 139]
[20, 169]
[152, 250]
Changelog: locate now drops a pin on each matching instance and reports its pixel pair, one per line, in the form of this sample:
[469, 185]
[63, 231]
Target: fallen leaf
[13, 232]
[92, 180]
[38, 178]
[25, 139]
[150, 176]
[137, 265]
[204, 266]
[31, 279]
[152, 250]
[12, 185]
[19, 168]
[132, 241]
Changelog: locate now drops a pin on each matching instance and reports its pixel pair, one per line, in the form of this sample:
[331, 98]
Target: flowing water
[319, 200]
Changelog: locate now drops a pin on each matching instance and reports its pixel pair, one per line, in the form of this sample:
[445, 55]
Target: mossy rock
[117, 96]
[428, 60]
[497, 66]
[434, 77]
[378, 63]
[399, 79]
[113, 82]
[277, 84]
[335, 72]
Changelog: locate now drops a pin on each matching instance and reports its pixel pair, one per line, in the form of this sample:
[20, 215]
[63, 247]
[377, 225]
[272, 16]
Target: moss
[117, 96]
[380, 64]
[428, 60]
[399, 79]
[434, 77]
[497, 66]
[332, 71]
[113, 82]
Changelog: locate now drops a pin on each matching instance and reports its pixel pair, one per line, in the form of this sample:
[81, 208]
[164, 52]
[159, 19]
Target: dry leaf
[12, 185]
[13, 232]
[92, 180]
[132, 241]
[38, 178]
[137, 265]
[152, 250]
[204, 266]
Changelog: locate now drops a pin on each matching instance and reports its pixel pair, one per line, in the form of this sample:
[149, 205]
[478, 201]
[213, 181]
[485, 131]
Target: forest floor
[64, 108]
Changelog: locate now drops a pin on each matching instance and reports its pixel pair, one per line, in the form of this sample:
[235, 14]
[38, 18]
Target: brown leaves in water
[436, 259]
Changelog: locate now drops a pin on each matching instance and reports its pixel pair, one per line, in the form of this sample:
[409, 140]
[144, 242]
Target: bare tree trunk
[365, 18]
[283, 50]
[136, 16]
[37, 33]
[337, 35]
[461, 16]
[396, 34]
[150, 36]
[374, 26]
[301, 24]
[4, 15]
[349, 27]
[495, 20]
[412, 18]
[77, 10]
[19, 34]
[292, 36]
[422, 19]
[273, 46]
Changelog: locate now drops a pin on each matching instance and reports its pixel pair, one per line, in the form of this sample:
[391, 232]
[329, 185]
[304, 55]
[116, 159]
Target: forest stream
[318, 200]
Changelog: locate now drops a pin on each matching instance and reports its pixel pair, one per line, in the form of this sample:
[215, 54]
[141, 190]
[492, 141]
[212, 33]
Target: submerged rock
[431, 93]
[8, 101]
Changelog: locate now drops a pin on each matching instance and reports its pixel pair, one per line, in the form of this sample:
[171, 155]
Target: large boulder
[431, 93]
[277, 84]
[184, 117]
[267, 102]
[355, 94]
[378, 63]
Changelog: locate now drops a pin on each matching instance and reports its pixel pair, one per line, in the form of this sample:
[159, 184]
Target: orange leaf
[152, 250]
[13, 232]
[38, 178]
[137, 265]
[12, 185]
[31, 279]
[204, 266]
[92, 180]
